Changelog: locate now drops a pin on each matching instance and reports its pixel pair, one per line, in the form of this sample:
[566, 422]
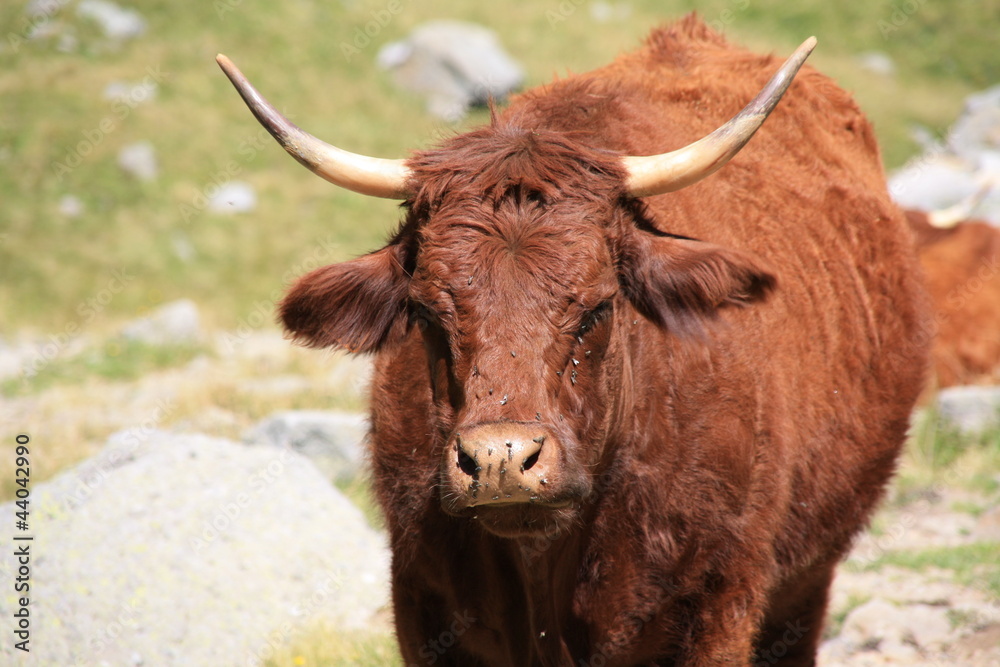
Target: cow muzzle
[502, 463]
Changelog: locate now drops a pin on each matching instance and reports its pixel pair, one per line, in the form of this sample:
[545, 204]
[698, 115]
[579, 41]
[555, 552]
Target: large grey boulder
[331, 440]
[972, 409]
[453, 65]
[189, 550]
[975, 136]
[174, 323]
[961, 174]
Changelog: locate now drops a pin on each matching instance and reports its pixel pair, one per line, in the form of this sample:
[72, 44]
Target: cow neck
[548, 570]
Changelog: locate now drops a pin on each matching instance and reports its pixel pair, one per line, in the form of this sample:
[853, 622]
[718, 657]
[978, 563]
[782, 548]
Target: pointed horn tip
[226, 64]
[944, 219]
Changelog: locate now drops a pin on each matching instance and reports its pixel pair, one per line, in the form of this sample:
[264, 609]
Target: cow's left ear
[677, 282]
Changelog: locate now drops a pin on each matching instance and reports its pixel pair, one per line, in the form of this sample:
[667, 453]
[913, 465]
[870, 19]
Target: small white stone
[71, 206]
[139, 161]
[877, 62]
[118, 23]
[233, 197]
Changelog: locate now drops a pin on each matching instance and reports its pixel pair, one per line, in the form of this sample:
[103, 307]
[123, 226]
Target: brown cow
[612, 426]
[962, 264]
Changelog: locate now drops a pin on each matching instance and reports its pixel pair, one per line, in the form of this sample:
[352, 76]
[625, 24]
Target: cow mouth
[523, 519]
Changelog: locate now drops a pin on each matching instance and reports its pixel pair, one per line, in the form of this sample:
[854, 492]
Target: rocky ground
[134, 523]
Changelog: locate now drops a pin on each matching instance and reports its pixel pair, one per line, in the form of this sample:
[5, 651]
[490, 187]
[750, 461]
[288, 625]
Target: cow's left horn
[656, 174]
[368, 175]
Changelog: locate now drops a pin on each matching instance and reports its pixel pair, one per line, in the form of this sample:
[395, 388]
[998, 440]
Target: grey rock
[47, 8]
[71, 206]
[963, 172]
[988, 527]
[454, 65]
[331, 440]
[139, 161]
[182, 246]
[933, 182]
[972, 409]
[132, 94]
[606, 12]
[895, 630]
[177, 322]
[118, 23]
[233, 197]
[978, 128]
[878, 62]
[189, 550]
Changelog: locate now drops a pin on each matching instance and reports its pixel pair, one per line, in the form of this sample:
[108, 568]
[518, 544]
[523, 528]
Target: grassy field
[59, 136]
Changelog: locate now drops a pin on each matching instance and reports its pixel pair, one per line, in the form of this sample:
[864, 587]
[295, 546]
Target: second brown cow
[962, 265]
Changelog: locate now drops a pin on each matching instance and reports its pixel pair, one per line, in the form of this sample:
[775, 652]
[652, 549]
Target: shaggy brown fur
[728, 369]
[962, 265]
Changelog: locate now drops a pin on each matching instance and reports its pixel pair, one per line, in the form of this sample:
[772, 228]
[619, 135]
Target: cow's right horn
[367, 175]
[657, 174]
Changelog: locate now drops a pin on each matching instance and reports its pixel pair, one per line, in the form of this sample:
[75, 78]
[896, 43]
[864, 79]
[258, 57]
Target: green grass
[326, 647]
[359, 491]
[975, 565]
[938, 452]
[114, 359]
[835, 622]
[51, 108]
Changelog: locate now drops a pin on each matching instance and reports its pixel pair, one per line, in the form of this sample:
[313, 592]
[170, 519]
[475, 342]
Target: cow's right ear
[358, 305]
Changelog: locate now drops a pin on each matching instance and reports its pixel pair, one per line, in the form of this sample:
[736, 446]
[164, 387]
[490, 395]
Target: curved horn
[656, 174]
[372, 176]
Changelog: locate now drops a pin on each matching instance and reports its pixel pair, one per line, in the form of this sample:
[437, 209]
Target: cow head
[524, 263]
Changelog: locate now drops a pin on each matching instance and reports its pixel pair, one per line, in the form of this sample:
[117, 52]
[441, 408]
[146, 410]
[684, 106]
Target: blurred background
[148, 224]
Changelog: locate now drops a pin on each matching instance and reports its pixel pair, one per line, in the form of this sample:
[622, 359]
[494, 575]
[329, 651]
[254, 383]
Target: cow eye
[594, 316]
[422, 316]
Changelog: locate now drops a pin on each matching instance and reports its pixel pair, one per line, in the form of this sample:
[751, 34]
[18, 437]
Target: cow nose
[501, 463]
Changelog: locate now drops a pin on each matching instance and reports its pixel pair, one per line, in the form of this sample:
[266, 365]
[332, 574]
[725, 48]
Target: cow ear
[358, 305]
[679, 283]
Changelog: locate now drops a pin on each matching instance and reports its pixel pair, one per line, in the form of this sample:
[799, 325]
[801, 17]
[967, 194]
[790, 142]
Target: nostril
[467, 463]
[530, 461]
